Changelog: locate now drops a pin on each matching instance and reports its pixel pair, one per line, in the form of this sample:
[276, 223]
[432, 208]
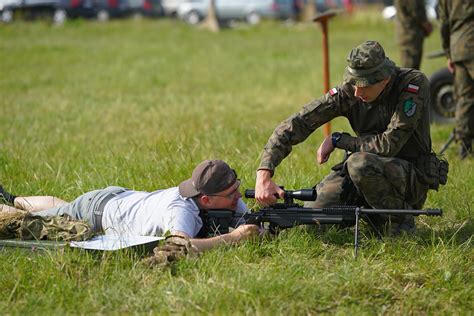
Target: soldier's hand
[450, 65]
[266, 191]
[427, 27]
[325, 150]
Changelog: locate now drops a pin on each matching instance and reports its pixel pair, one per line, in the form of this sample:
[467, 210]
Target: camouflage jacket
[411, 14]
[456, 19]
[396, 124]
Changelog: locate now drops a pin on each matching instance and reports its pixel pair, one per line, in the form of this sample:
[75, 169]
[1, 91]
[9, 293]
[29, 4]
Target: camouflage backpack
[27, 226]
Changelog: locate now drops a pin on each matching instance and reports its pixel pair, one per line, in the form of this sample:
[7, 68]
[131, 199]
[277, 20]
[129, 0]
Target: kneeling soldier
[392, 165]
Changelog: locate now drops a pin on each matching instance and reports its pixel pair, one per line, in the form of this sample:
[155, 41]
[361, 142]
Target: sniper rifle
[289, 214]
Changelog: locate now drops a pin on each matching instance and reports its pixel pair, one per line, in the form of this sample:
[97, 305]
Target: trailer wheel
[443, 104]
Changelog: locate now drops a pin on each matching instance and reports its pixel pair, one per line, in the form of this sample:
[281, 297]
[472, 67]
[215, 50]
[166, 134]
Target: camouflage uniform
[457, 34]
[392, 135]
[411, 14]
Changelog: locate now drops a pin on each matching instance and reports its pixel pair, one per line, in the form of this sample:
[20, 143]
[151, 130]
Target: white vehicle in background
[170, 7]
[27, 9]
[251, 11]
[6, 12]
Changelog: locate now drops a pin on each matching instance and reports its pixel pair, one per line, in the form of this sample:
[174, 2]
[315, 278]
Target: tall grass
[139, 103]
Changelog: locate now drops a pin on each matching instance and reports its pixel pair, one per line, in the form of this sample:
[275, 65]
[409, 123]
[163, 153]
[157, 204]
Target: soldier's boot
[6, 197]
[402, 225]
[394, 225]
[465, 148]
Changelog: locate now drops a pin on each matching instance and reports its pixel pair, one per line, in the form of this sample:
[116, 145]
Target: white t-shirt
[154, 213]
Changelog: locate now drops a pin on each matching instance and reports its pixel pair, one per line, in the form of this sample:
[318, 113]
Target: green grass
[139, 103]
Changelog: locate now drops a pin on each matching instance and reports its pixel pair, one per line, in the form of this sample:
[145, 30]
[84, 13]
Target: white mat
[115, 242]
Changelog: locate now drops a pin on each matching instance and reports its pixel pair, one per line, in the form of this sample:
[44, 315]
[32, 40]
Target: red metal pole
[324, 26]
[323, 20]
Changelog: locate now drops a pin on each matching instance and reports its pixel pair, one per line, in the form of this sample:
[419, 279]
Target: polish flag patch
[333, 91]
[413, 88]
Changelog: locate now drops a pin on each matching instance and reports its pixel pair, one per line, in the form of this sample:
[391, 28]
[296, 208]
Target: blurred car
[148, 8]
[170, 7]
[103, 10]
[325, 5]
[6, 14]
[283, 9]
[27, 9]
[251, 11]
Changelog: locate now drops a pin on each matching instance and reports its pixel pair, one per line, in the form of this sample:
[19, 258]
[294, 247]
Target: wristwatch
[335, 137]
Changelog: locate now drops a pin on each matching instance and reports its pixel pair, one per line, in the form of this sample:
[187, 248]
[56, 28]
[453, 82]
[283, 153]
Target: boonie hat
[368, 65]
[209, 177]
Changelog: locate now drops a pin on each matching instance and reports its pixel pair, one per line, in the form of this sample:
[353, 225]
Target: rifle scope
[302, 195]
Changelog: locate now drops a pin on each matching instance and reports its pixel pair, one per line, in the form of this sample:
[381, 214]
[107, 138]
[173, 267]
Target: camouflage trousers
[464, 91]
[366, 179]
[411, 51]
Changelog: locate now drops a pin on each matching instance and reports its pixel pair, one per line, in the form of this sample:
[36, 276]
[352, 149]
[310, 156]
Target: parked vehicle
[251, 11]
[283, 9]
[6, 14]
[28, 9]
[103, 10]
[170, 7]
[148, 8]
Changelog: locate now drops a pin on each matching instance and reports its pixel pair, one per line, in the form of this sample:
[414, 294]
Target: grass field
[139, 103]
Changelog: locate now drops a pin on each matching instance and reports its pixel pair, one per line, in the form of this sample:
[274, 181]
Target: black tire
[6, 16]
[253, 18]
[193, 18]
[103, 15]
[59, 17]
[443, 105]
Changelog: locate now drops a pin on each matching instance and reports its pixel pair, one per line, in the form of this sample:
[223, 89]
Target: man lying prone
[117, 210]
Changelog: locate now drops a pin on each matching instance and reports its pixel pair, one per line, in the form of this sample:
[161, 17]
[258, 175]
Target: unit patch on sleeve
[409, 107]
[333, 91]
[413, 88]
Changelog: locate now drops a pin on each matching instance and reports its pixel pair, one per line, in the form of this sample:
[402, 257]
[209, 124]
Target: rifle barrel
[428, 212]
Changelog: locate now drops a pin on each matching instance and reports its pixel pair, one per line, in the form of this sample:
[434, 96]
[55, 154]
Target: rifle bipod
[356, 233]
[448, 142]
